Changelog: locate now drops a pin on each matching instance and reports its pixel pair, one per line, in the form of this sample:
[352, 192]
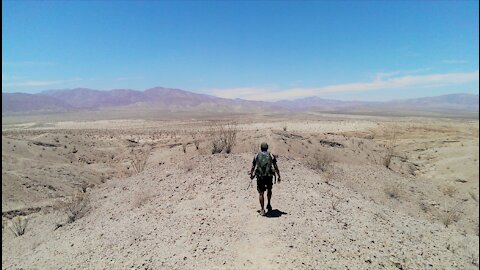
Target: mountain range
[176, 100]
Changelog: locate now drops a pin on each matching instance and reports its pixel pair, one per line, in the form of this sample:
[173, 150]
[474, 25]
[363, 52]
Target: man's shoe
[269, 207]
[262, 212]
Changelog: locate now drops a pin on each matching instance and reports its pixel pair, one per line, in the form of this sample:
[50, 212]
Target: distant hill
[320, 103]
[24, 103]
[83, 98]
[452, 104]
[458, 101]
[154, 99]
[161, 99]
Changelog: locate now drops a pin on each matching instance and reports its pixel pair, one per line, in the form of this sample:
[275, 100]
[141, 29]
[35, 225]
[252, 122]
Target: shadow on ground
[275, 213]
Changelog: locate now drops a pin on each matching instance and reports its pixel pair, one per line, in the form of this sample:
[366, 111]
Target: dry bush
[196, 143]
[328, 176]
[139, 162]
[392, 190]
[336, 202]
[217, 143]
[141, 198]
[18, 225]
[184, 147]
[473, 195]
[84, 187]
[390, 147]
[424, 206]
[230, 137]
[449, 190]
[473, 258]
[223, 137]
[450, 215]
[76, 206]
[321, 161]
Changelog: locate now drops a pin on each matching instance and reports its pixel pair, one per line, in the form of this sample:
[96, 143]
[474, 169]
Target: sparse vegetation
[196, 143]
[141, 198]
[223, 137]
[139, 162]
[450, 215]
[473, 195]
[449, 190]
[18, 225]
[76, 206]
[321, 161]
[390, 147]
[336, 202]
[424, 206]
[184, 147]
[84, 187]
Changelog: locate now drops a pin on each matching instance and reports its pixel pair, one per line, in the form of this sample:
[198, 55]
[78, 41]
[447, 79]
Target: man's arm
[254, 163]
[276, 167]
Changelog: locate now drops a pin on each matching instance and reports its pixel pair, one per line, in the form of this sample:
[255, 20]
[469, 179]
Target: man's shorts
[264, 183]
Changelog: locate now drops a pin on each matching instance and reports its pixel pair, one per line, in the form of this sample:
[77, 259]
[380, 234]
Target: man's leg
[269, 192]
[262, 200]
[269, 196]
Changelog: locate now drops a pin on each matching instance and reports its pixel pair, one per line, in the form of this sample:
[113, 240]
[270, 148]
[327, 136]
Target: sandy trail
[257, 251]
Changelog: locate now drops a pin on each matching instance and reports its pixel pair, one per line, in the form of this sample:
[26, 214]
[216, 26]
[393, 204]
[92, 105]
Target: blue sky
[358, 50]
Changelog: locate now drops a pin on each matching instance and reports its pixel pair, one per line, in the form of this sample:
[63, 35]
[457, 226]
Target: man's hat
[264, 145]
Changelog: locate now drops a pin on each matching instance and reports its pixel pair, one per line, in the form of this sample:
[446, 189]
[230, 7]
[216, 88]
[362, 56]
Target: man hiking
[262, 166]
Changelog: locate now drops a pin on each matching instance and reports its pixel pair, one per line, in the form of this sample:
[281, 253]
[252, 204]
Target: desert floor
[357, 192]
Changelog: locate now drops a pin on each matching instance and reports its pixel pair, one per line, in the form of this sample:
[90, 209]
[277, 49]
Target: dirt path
[261, 247]
[257, 251]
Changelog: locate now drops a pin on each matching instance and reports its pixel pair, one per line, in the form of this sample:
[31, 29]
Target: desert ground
[357, 192]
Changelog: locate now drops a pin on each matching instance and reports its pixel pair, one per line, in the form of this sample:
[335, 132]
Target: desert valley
[360, 189]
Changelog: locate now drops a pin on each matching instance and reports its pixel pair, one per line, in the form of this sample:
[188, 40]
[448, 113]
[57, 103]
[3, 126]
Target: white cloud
[384, 81]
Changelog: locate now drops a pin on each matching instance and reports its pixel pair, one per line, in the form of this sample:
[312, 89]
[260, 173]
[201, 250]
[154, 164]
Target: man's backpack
[264, 164]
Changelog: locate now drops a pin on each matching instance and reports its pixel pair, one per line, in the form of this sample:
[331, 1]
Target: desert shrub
[76, 206]
[328, 176]
[449, 190]
[217, 143]
[424, 206]
[223, 137]
[473, 195]
[141, 197]
[390, 147]
[196, 143]
[230, 137]
[284, 128]
[321, 161]
[18, 225]
[392, 190]
[450, 215]
[336, 202]
[84, 187]
[184, 147]
[139, 162]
